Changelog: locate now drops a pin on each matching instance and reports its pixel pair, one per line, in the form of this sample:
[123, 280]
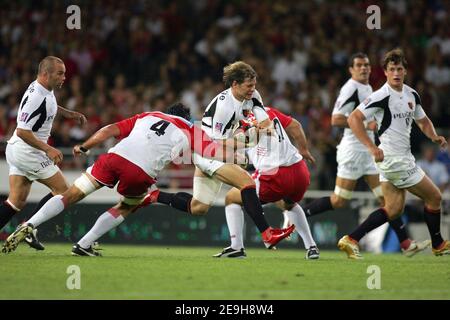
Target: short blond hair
[48, 63]
[238, 71]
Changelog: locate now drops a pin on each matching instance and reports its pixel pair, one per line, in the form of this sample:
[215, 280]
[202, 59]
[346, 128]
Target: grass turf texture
[148, 272]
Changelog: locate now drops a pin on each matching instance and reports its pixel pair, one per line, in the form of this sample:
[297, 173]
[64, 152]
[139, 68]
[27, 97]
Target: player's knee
[198, 208]
[435, 200]
[338, 202]
[246, 182]
[393, 211]
[340, 197]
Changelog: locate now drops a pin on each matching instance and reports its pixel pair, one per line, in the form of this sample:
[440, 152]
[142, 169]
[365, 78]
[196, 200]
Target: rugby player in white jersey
[220, 120]
[29, 156]
[353, 158]
[281, 176]
[395, 106]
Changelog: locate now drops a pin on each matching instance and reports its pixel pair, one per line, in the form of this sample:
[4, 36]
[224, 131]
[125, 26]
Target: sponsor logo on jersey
[366, 101]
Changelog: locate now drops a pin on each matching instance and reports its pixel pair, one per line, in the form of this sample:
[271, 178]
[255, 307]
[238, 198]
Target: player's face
[57, 76]
[244, 90]
[395, 74]
[360, 70]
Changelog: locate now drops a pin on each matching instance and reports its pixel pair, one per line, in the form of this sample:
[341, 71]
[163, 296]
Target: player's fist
[55, 155]
[78, 150]
[377, 154]
[440, 140]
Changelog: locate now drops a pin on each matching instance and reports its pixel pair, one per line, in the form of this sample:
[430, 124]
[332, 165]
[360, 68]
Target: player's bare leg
[408, 246]
[394, 203]
[431, 195]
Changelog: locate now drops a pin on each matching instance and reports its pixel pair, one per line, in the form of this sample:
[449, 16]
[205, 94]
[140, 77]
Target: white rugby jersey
[225, 111]
[274, 151]
[37, 111]
[350, 96]
[151, 140]
[394, 112]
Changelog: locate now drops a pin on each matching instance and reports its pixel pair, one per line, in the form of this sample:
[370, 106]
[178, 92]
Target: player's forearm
[358, 128]
[29, 138]
[427, 127]
[101, 135]
[65, 112]
[339, 121]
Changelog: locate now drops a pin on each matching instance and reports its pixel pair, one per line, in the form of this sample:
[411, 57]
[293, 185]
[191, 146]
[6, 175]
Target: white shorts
[207, 166]
[403, 179]
[206, 189]
[34, 165]
[354, 164]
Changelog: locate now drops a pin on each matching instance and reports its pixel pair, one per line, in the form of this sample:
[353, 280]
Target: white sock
[50, 209]
[103, 224]
[235, 221]
[298, 218]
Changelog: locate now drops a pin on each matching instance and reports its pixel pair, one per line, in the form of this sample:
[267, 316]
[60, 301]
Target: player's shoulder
[409, 89]
[378, 98]
[224, 97]
[348, 88]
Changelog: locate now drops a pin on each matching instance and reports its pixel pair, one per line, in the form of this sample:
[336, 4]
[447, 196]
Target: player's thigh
[234, 175]
[428, 192]
[19, 189]
[233, 196]
[57, 183]
[394, 199]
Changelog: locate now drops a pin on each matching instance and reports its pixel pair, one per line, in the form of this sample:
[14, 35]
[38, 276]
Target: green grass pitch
[149, 272]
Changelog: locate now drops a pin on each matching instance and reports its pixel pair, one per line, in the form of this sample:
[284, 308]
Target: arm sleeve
[369, 108]
[347, 101]
[258, 107]
[125, 126]
[32, 110]
[221, 118]
[419, 113]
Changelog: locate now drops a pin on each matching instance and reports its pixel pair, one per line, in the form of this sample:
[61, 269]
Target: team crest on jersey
[410, 105]
[23, 116]
[218, 127]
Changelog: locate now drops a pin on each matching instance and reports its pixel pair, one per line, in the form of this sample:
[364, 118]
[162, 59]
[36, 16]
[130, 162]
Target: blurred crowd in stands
[135, 56]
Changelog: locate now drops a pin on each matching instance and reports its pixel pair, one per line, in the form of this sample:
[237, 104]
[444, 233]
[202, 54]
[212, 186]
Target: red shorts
[111, 168]
[288, 183]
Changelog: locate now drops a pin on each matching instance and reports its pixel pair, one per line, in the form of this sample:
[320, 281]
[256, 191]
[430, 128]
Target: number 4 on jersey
[160, 127]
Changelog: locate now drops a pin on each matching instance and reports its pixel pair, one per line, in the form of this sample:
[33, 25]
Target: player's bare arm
[341, 121]
[298, 139]
[68, 114]
[27, 135]
[100, 136]
[427, 127]
[356, 123]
